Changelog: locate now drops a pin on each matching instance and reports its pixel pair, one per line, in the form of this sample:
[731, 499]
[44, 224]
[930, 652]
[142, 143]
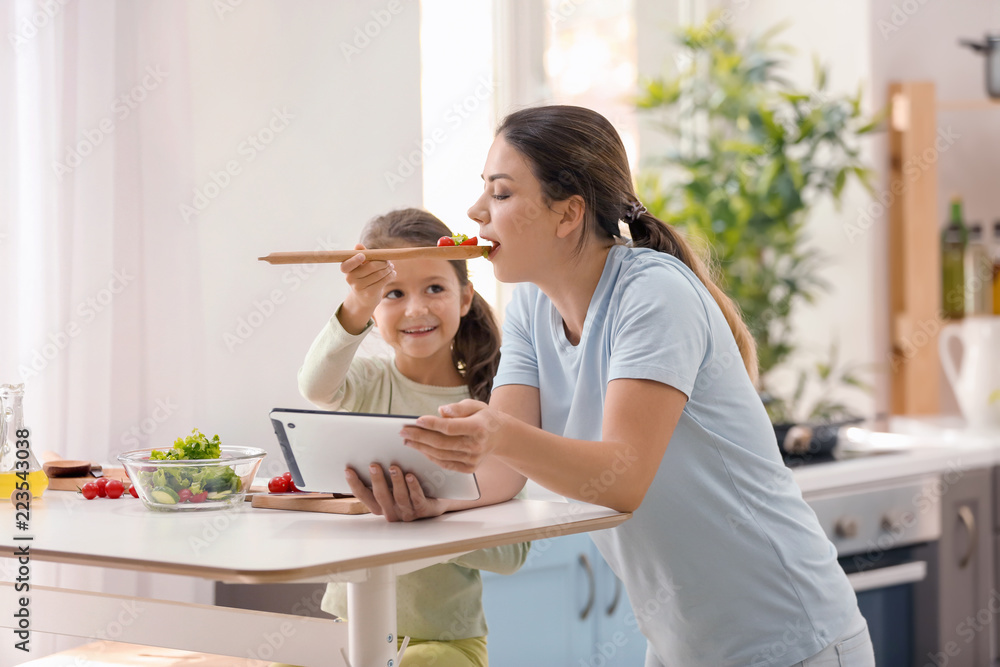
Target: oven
[885, 535]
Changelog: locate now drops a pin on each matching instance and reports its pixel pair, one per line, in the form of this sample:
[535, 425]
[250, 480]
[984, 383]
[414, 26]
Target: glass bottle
[953, 242]
[978, 274]
[12, 430]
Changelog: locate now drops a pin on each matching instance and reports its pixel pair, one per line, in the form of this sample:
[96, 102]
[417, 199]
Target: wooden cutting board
[308, 502]
[74, 483]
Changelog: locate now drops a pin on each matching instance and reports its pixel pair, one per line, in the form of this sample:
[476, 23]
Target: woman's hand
[366, 280]
[460, 438]
[399, 498]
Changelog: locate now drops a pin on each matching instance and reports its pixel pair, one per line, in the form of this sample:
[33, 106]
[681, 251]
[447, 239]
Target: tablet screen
[319, 445]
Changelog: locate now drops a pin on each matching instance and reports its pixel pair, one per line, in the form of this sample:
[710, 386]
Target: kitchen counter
[909, 447]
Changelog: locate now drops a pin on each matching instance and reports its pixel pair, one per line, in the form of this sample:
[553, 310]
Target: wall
[922, 45]
[353, 105]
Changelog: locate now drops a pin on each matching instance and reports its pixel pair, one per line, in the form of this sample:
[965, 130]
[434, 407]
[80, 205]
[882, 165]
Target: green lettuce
[195, 446]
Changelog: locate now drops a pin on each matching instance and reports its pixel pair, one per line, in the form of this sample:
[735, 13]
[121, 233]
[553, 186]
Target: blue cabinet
[564, 607]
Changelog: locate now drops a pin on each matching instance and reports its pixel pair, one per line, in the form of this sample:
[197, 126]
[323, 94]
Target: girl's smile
[419, 330]
[419, 315]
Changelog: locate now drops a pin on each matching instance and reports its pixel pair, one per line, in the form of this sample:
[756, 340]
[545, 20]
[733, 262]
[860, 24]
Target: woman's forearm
[612, 474]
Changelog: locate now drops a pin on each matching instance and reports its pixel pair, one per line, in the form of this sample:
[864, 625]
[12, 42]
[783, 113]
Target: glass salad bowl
[193, 484]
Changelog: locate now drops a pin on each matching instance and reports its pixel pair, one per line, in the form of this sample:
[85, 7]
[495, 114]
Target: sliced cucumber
[165, 496]
[219, 495]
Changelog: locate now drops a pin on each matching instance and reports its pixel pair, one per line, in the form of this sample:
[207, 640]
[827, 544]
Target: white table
[258, 546]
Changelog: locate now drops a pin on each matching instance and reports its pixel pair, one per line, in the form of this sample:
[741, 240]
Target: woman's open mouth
[493, 250]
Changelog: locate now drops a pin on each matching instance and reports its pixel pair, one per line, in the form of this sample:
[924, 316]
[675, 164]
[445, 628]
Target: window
[457, 104]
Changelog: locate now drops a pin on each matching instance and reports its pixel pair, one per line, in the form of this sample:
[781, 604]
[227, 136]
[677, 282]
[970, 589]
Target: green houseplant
[753, 155]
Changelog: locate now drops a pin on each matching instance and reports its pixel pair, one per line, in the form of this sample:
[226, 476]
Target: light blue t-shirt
[724, 562]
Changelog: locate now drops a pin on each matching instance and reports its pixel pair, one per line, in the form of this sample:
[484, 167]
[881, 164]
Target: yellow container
[17, 464]
[37, 481]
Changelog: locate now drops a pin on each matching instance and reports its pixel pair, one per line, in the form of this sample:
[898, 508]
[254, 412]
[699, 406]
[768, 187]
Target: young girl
[626, 380]
[446, 345]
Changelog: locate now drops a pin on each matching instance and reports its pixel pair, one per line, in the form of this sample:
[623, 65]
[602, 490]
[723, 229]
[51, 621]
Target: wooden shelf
[913, 251]
[984, 104]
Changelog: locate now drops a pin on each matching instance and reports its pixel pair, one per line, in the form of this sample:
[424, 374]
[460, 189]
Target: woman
[626, 380]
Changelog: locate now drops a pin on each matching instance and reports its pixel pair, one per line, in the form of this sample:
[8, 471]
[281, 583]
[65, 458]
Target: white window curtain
[149, 153]
[95, 127]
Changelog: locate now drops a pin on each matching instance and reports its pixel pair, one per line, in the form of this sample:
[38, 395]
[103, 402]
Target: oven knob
[846, 527]
[892, 521]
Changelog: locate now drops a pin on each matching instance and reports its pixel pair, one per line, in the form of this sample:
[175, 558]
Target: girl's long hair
[476, 348]
[576, 151]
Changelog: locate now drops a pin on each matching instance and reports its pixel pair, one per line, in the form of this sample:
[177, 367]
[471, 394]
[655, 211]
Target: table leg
[371, 610]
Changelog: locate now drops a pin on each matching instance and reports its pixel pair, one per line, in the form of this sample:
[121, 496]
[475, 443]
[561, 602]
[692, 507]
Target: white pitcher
[977, 383]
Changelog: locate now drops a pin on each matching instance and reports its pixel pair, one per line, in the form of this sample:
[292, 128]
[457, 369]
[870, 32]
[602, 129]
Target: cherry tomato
[292, 487]
[132, 491]
[278, 485]
[287, 476]
[184, 495]
[471, 241]
[199, 497]
[89, 490]
[102, 483]
[446, 241]
[114, 488]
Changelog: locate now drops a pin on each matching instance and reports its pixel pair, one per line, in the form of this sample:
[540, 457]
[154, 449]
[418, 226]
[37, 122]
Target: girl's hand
[460, 438]
[399, 498]
[366, 280]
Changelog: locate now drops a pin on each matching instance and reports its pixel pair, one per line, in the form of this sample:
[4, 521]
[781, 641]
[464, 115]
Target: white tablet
[319, 445]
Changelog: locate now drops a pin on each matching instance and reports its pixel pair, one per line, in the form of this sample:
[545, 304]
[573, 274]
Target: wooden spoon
[382, 254]
[66, 468]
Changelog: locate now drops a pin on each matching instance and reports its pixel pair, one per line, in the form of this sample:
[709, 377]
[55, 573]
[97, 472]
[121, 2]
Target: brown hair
[476, 349]
[576, 151]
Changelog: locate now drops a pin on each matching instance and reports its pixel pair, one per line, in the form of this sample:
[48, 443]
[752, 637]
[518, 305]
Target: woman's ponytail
[648, 231]
[476, 350]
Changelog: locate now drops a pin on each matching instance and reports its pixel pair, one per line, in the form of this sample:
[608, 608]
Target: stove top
[799, 460]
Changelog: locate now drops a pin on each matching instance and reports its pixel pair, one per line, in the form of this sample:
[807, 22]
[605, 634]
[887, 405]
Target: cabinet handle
[969, 519]
[585, 562]
[614, 601]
